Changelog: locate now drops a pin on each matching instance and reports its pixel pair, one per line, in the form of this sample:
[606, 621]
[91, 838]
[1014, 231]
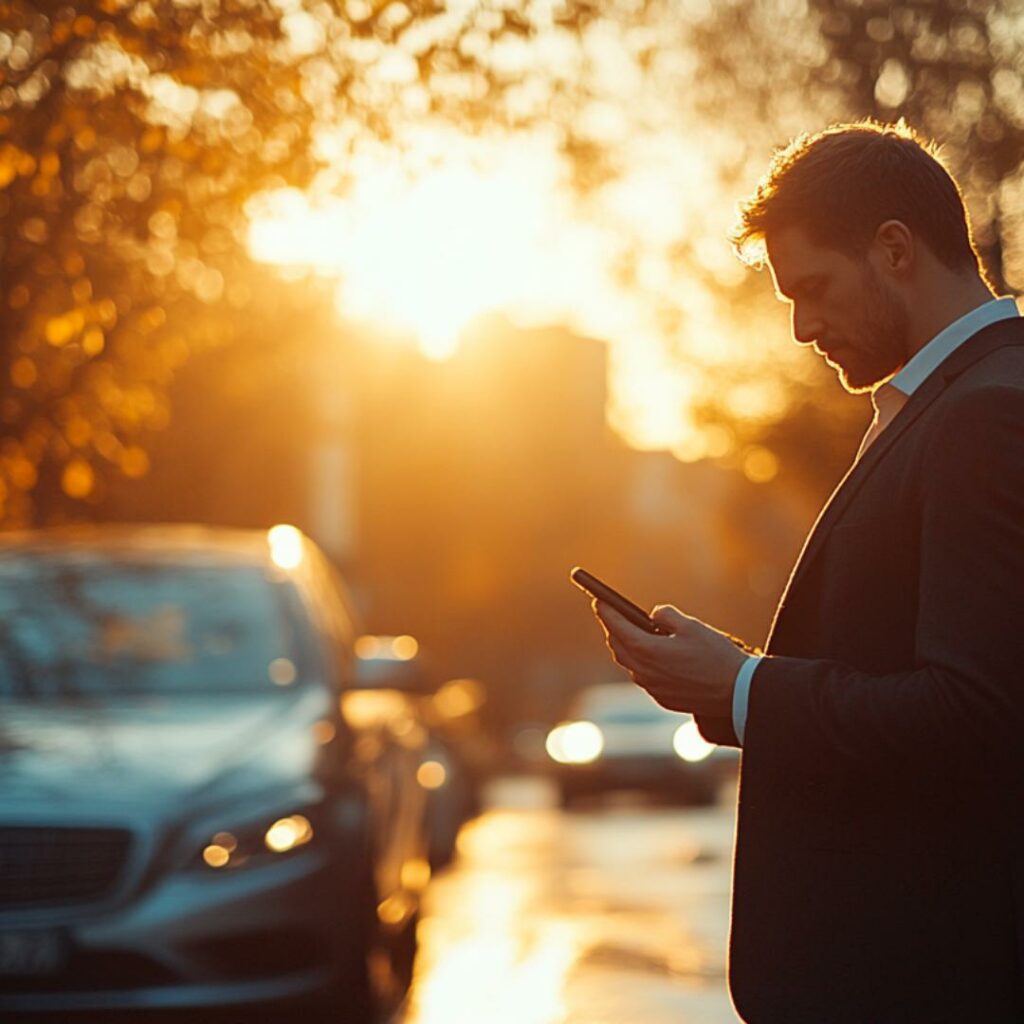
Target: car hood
[157, 752]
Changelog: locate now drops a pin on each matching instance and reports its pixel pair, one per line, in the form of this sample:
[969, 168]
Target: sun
[424, 254]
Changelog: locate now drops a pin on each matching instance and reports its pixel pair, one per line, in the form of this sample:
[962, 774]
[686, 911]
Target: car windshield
[89, 626]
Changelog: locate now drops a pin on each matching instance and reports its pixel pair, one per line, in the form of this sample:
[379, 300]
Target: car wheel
[403, 953]
[355, 996]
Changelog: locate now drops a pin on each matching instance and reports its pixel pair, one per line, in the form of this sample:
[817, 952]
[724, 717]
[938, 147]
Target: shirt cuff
[741, 695]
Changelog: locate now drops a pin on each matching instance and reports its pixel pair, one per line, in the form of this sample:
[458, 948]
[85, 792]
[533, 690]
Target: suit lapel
[987, 340]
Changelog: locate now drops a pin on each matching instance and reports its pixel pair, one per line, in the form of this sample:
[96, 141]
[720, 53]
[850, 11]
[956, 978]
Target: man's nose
[807, 326]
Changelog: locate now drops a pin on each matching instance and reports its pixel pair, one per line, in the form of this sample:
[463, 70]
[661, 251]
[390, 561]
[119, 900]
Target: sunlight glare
[427, 235]
[425, 256]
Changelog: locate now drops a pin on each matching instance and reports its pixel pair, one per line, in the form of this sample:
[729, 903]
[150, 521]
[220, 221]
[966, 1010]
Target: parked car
[617, 737]
[445, 772]
[201, 803]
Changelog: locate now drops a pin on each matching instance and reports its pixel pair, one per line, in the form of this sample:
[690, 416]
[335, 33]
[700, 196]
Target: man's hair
[840, 184]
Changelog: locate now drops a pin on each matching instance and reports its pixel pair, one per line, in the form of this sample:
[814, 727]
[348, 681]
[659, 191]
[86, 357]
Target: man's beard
[880, 346]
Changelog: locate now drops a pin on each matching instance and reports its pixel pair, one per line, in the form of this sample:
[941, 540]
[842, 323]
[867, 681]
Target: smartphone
[591, 585]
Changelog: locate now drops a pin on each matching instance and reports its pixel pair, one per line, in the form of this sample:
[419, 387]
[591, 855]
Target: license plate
[35, 952]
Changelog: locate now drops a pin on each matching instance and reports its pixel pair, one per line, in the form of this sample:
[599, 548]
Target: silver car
[616, 737]
[198, 805]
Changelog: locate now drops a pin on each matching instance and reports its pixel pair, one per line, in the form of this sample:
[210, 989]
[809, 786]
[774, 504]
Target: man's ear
[894, 247]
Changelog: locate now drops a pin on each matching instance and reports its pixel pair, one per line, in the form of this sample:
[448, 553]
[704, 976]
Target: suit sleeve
[964, 698]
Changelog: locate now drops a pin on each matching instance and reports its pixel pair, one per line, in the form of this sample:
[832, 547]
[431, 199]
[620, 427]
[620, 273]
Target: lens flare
[288, 834]
[689, 744]
[575, 743]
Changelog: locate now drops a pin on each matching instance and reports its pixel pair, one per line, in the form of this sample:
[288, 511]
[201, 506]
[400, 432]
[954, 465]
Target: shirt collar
[950, 338]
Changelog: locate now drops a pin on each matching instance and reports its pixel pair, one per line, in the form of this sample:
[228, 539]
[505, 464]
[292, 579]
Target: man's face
[842, 305]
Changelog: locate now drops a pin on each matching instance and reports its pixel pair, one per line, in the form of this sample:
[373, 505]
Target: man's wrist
[722, 705]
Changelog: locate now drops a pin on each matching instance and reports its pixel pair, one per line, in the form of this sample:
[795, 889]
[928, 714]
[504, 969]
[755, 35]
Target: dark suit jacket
[879, 866]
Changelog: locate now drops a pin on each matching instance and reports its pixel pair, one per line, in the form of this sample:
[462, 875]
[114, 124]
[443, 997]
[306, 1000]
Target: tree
[132, 134]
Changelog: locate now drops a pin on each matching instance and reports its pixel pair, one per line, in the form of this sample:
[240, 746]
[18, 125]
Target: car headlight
[257, 841]
[575, 743]
[689, 744]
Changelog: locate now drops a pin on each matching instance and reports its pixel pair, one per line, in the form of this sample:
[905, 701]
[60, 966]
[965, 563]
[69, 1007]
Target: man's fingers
[670, 618]
[622, 656]
[618, 624]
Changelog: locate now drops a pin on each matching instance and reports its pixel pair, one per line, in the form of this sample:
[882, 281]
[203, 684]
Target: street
[616, 913]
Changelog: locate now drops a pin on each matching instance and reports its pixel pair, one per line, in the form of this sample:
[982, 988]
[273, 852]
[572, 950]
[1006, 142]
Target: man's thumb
[669, 617]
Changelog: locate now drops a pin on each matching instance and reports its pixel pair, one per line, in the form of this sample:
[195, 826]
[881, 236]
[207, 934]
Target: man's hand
[692, 670]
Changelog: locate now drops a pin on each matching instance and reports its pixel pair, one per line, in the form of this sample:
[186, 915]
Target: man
[879, 863]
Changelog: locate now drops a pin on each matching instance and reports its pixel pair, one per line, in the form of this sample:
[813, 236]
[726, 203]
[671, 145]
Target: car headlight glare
[689, 744]
[233, 849]
[288, 834]
[575, 743]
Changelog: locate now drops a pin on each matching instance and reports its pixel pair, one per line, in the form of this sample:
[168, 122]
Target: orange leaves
[85, 138]
[78, 431]
[21, 471]
[78, 479]
[93, 341]
[151, 140]
[83, 26]
[61, 329]
[35, 230]
[23, 372]
[134, 462]
[15, 162]
[81, 290]
[49, 165]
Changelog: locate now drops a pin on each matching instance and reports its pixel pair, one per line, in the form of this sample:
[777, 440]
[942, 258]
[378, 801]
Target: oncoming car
[617, 737]
[199, 805]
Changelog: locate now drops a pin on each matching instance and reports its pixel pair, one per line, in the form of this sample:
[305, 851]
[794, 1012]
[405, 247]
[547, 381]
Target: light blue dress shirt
[908, 380]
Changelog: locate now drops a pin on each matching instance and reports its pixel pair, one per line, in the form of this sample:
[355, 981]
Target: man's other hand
[694, 669]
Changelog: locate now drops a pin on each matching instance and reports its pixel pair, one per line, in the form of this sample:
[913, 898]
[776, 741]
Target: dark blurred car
[452, 799]
[198, 804]
[617, 737]
[446, 772]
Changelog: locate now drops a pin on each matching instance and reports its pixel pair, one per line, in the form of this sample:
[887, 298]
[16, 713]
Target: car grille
[41, 866]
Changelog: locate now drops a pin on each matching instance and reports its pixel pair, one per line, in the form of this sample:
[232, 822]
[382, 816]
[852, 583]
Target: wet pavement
[615, 914]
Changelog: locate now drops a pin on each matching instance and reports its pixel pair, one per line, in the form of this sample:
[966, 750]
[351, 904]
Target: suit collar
[921, 366]
[989, 339]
